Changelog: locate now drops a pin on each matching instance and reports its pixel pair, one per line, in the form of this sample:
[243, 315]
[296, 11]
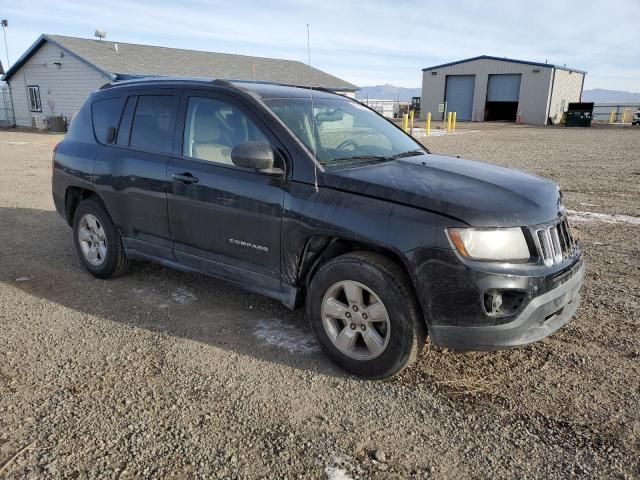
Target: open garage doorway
[503, 95]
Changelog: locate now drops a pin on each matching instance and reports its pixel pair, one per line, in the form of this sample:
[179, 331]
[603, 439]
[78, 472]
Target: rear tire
[364, 314]
[97, 241]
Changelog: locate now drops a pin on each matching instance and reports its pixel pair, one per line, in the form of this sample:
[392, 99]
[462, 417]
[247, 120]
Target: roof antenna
[313, 119]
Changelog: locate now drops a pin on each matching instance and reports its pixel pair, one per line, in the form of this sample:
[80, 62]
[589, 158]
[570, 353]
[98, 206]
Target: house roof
[131, 60]
[504, 59]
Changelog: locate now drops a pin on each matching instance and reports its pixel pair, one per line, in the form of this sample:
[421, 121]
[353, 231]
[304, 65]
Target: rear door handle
[186, 178]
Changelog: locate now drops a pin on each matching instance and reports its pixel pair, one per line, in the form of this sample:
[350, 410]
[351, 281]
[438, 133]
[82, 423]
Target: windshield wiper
[380, 158]
[410, 153]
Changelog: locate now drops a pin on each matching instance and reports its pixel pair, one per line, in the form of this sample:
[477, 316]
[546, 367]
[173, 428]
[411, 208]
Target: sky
[363, 42]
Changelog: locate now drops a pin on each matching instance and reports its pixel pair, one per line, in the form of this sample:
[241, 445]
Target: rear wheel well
[73, 197]
[322, 249]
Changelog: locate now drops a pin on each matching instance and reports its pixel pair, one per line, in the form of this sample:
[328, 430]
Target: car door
[130, 174]
[224, 219]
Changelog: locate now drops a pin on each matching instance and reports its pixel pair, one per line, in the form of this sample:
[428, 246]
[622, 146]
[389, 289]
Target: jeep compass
[314, 199]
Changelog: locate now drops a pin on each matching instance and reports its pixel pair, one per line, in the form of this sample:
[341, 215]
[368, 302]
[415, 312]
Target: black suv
[314, 199]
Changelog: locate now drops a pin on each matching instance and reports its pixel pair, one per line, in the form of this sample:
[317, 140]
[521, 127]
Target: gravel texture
[164, 374]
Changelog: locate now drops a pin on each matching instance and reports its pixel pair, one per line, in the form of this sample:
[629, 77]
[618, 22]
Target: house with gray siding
[489, 88]
[57, 73]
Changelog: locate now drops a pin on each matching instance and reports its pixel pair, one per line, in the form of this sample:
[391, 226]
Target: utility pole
[5, 24]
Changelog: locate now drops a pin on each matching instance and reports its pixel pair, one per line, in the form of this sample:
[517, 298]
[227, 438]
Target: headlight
[490, 244]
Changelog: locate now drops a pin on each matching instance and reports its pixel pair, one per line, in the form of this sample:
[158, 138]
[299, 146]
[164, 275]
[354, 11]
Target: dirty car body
[271, 230]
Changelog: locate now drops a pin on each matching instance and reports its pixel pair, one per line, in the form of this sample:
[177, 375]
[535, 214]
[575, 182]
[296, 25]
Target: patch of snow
[335, 473]
[335, 470]
[276, 333]
[23, 279]
[575, 216]
[14, 143]
[182, 296]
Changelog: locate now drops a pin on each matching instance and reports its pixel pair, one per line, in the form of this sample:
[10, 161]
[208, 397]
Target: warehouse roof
[504, 59]
[128, 60]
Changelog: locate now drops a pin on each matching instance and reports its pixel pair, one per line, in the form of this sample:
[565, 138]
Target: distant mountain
[388, 92]
[599, 95]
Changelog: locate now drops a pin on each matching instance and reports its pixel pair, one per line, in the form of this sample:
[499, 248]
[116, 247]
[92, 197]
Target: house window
[35, 105]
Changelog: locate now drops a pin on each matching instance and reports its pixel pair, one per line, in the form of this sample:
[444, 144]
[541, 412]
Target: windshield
[343, 132]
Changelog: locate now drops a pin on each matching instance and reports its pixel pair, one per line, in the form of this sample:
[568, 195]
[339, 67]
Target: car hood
[476, 193]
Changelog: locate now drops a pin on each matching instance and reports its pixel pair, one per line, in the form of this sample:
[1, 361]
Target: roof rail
[217, 81]
[224, 83]
[133, 80]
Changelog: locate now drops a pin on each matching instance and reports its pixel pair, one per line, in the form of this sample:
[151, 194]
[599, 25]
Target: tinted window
[106, 113]
[80, 128]
[214, 127]
[124, 132]
[153, 123]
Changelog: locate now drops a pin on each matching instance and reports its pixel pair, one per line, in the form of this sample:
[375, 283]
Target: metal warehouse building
[492, 88]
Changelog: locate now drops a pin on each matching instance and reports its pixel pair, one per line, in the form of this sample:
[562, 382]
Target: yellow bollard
[405, 122]
[612, 116]
[454, 120]
[428, 125]
[411, 114]
[449, 118]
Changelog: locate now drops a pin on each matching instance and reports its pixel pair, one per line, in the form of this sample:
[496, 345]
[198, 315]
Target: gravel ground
[165, 374]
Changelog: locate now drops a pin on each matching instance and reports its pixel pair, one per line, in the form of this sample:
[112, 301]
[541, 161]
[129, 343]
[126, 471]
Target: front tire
[364, 314]
[97, 241]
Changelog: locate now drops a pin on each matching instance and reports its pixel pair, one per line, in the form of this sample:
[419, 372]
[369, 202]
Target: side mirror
[111, 134]
[256, 155]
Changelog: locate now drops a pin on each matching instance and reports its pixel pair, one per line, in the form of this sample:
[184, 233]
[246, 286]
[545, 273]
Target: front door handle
[186, 178]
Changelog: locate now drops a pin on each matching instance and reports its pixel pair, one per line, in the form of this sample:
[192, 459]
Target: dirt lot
[165, 374]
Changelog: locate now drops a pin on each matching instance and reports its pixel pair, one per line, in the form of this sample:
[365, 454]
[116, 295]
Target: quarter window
[35, 105]
[213, 127]
[153, 123]
[106, 113]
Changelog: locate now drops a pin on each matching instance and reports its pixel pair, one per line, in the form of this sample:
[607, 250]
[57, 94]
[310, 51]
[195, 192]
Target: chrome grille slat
[554, 242]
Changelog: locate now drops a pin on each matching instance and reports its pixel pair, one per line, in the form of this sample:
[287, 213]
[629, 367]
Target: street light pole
[5, 24]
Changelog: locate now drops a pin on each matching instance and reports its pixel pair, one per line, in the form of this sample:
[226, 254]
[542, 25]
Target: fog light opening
[499, 303]
[493, 302]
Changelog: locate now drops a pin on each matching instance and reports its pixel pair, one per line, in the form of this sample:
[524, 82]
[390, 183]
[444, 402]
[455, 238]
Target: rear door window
[153, 123]
[124, 132]
[106, 113]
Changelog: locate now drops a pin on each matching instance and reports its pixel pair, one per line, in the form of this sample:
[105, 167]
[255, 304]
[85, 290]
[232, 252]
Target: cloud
[364, 42]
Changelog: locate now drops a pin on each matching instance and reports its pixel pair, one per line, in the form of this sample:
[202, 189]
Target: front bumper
[542, 316]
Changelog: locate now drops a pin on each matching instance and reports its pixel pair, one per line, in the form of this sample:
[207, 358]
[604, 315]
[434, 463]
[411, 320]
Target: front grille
[554, 242]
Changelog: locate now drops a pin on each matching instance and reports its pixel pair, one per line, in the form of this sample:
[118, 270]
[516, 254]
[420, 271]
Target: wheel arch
[321, 249]
[73, 197]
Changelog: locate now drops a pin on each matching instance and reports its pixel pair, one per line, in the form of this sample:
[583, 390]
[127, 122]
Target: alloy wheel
[356, 320]
[92, 239]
